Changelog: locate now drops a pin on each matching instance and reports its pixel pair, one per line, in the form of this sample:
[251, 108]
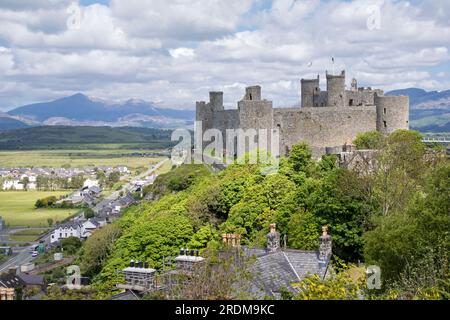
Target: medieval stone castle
[327, 120]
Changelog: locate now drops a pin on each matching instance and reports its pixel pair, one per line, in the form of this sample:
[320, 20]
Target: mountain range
[79, 109]
[429, 112]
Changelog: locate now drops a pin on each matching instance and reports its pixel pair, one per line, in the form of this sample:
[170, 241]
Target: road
[125, 188]
[22, 255]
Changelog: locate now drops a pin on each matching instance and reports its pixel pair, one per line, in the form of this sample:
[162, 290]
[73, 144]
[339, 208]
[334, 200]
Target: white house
[80, 230]
[12, 185]
[31, 186]
[89, 183]
[65, 231]
[123, 169]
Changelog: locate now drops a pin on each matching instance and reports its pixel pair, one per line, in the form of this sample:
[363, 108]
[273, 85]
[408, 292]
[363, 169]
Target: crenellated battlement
[327, 120]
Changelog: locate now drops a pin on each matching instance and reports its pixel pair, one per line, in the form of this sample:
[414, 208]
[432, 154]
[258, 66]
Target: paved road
[22, 255]
[126, 187]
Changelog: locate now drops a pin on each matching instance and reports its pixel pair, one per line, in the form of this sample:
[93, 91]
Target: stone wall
[327, 120]
[393, 113]
[323, 127]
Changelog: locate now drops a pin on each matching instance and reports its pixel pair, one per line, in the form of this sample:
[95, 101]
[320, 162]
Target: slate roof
[11, 280]
[273, 271]
[127, 295]
[32, 280]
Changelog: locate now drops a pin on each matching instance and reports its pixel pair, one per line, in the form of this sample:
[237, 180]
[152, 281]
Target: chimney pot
[273, 239]
[325, 249]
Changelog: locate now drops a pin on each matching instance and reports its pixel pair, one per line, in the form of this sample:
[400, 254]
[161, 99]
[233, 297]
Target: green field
[17, 208]
[29, 235]
[76, 158]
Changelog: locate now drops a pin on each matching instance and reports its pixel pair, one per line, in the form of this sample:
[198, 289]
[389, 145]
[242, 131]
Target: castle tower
[216, 100]
[392, 113]
[309, 89]
[354, 85]
[336, 90]
[253, 93]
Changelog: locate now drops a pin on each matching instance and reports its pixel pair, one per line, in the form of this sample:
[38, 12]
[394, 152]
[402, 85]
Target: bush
[368, 140]
[46, 202]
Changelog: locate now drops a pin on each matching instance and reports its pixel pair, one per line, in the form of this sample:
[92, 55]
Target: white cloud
[176, 51]
[182, 52]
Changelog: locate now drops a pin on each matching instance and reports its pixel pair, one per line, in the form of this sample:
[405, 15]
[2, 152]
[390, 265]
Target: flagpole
[332, 59]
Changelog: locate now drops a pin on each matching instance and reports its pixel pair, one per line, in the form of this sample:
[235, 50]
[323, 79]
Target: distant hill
[79, 110]
[55, 137]
[9, 123]
[429, 110]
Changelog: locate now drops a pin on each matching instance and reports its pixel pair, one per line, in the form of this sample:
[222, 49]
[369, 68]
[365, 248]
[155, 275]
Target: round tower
[336, 90]
[309, 88]
[392, 113]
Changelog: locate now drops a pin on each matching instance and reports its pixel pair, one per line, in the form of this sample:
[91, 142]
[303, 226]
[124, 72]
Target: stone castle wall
[326, 121]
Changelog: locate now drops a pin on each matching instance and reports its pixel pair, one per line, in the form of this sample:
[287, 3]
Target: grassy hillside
[60, 137]
[10, 124]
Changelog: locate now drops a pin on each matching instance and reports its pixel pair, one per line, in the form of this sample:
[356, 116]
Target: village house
[13, 185]
[277, 267]
[12, 284]
[79, 229]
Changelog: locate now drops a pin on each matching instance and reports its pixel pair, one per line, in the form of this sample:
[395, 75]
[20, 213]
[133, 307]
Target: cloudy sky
[174, 52]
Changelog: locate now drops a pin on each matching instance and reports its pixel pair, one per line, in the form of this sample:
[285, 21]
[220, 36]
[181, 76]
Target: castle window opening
[384, 123]
[351, 102]
[251, 96]
[384, 110]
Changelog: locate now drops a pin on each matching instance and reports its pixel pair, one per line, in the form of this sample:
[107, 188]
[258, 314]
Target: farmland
[77, 158]
[17, 208]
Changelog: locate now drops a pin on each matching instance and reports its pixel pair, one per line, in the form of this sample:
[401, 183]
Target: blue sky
[174, 52]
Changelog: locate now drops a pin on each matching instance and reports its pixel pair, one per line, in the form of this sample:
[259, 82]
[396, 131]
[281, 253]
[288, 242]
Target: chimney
[132, 263]
[231, 239]
[325, 248]
[181, 252]
[273, 239]
[145, 264]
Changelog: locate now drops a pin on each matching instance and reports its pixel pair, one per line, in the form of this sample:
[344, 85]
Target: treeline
[394, 215]
[57, 137]
[58, 183]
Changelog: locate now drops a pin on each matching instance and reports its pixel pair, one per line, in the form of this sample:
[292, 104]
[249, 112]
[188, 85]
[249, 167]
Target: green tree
[202, 237]
[303, 231]
[71, 244]
[369, 140]
[97, 249]
[88, 213]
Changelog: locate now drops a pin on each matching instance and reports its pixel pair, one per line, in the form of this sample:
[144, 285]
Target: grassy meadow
[17, 208]
[76, 158]
[28, 235]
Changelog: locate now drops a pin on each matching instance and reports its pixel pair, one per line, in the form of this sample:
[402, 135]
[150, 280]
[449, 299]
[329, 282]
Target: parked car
[35, 254]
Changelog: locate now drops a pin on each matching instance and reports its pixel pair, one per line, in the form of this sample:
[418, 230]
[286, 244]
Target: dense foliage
[394, 215]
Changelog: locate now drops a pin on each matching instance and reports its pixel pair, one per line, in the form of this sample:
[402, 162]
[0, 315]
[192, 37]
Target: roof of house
[275, 270]
[30, 279]
[95, 189]
[140, 270]
[127, 295]
[10, 280]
